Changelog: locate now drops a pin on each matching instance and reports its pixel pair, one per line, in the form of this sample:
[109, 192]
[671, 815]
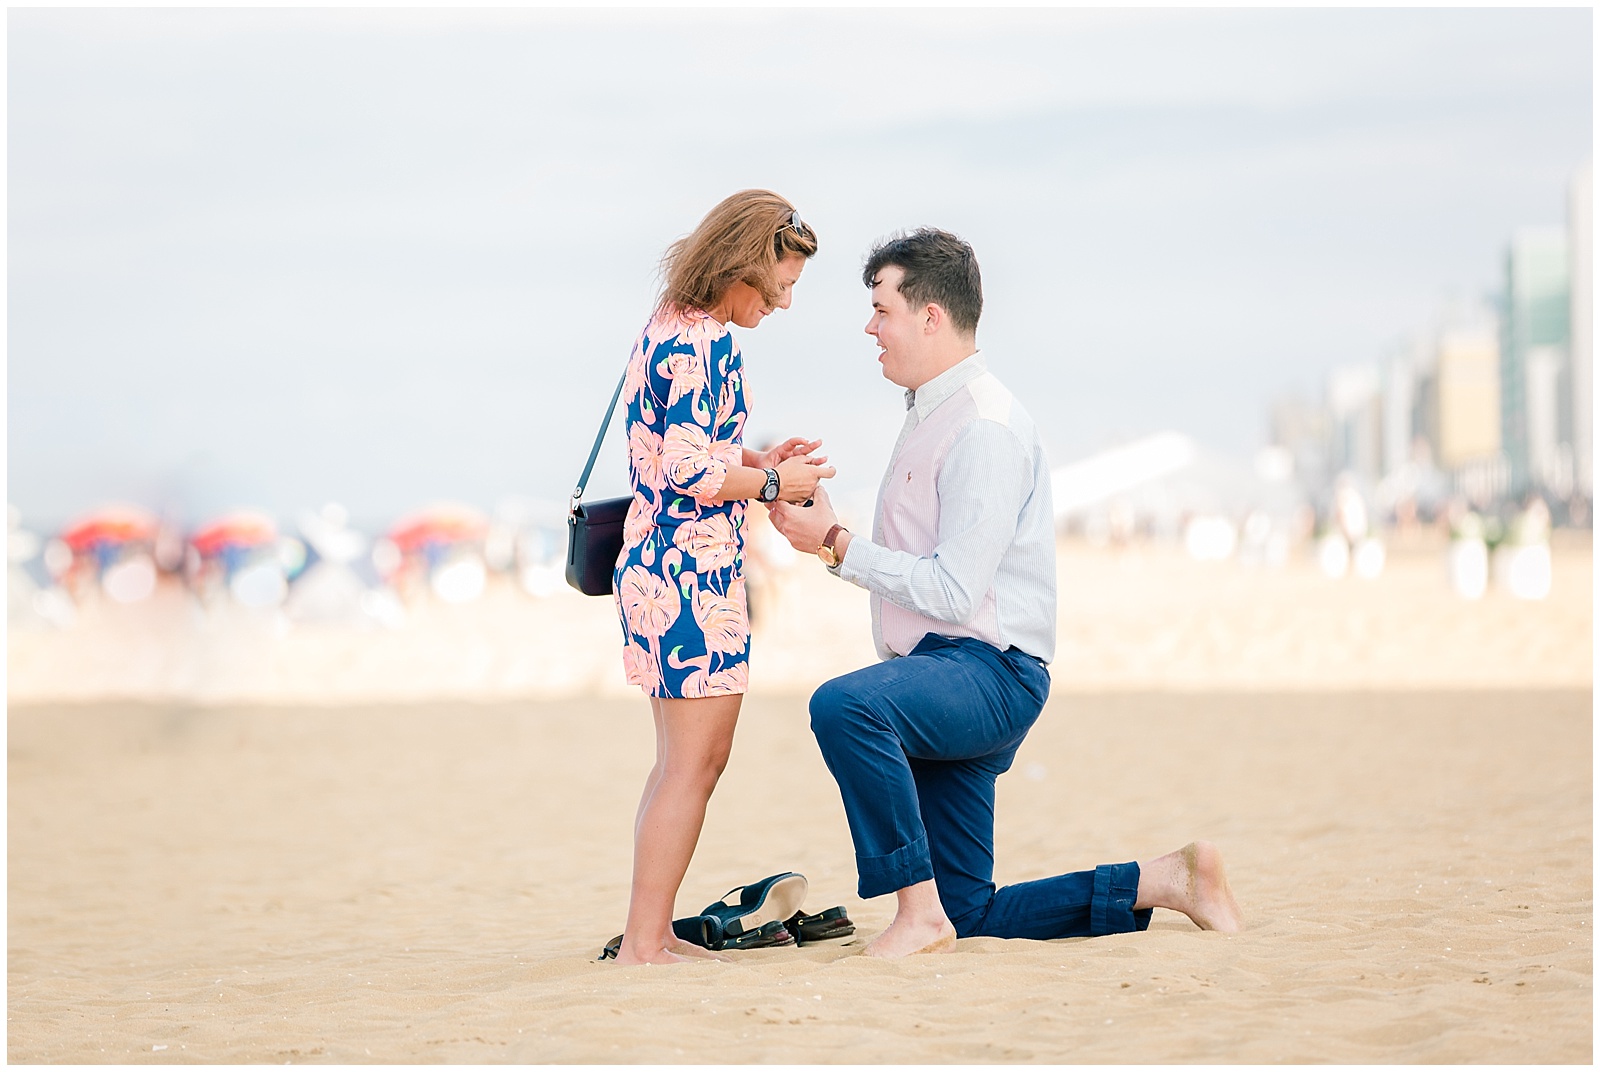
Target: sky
[274, 258]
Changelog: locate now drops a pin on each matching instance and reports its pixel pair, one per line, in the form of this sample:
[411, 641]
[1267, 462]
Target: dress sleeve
[694, 462]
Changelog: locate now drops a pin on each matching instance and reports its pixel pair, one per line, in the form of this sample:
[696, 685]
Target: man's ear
[933, 318]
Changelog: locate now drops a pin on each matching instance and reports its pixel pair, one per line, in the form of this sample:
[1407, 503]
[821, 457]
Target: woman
[679, 584]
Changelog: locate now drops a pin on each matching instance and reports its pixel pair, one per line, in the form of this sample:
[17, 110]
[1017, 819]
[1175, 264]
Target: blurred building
[1580, 228]
[1404, 374]
[1535, 380]
[1304, 430]
[1495, 400]
[1462, 398]
[1355, 408]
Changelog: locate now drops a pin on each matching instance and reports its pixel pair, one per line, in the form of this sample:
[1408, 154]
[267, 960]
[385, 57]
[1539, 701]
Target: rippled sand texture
[430, 883]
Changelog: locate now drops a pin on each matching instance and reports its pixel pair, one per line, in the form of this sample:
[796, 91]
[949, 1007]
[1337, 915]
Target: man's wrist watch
[826, 552]
[769, 490]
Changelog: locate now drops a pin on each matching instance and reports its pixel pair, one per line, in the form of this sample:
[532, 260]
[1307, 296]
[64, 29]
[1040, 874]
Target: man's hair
[939, 268]
[742, 239]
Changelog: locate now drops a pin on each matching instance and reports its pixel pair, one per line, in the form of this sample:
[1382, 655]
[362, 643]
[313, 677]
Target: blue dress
[679, 581]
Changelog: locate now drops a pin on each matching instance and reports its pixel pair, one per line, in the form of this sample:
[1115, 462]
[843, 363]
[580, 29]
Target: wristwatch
[769, 490]
[829, 556]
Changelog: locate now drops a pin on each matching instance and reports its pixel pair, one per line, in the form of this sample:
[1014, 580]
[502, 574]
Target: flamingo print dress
[679, 581]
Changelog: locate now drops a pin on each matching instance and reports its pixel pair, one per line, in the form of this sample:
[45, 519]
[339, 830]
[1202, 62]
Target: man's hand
[804, 526]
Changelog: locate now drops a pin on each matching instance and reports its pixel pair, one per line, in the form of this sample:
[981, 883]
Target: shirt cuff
[857, 561]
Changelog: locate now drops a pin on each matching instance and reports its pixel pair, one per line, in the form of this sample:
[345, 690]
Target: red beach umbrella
[242, 528]
[442, 523]
[118, 523]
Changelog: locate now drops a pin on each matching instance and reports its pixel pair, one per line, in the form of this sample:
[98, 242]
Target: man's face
[897, 328]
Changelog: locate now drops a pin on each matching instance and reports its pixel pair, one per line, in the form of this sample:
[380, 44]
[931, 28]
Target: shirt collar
[926, 399]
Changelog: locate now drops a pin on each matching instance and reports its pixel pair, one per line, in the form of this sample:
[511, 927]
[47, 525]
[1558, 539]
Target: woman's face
[743, 304]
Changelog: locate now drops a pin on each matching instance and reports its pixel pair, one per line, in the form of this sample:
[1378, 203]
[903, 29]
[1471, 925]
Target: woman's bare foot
[672, 951]
[909, 937]
[1192, 881]
[690, 951]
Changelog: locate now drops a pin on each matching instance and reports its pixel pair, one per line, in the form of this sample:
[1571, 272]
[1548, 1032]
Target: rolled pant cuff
[906, 866]
[1116, 888]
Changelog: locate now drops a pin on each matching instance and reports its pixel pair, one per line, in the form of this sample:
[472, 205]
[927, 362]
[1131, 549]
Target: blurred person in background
[961, 571]
[679, 581]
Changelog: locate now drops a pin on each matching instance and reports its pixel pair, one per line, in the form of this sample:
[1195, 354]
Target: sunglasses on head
[795, 222]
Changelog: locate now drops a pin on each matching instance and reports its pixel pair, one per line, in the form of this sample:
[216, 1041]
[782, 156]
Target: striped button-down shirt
[963, 539]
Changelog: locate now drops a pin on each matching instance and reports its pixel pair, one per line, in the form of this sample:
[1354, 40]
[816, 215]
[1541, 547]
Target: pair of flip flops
[765, 915]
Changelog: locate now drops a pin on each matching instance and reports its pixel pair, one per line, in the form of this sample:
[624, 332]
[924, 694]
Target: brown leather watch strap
[831, 558]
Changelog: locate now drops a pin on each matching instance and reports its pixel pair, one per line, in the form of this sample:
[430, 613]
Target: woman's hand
[800, 475]
[789, 448]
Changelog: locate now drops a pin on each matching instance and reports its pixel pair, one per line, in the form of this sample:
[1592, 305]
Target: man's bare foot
[1192, 881]
[908, 938]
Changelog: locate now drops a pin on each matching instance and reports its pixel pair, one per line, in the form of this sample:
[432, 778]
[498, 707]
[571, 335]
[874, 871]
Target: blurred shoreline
[1143, 616]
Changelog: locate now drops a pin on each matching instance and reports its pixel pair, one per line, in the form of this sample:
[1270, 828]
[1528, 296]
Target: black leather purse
[594, 530]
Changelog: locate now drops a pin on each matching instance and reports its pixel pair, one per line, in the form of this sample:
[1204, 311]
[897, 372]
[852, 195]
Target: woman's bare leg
[655, 771]
[693, 741]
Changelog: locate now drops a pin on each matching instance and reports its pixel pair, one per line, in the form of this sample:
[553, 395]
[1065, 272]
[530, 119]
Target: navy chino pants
[916, 744]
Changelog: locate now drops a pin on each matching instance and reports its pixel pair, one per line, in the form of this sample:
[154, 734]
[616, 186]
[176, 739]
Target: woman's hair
[742, 239]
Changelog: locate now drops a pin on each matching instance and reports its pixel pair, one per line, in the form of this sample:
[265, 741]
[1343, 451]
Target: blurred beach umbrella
[439, 526]
[111, 526]
[241, 530]
[116, 545]
[443, 542]
[242, 551]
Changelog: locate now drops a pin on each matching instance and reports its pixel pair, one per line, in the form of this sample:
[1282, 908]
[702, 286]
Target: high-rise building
[1355, 404]
[1464, 395]
[1303, 429]
[1403, 374]
[1535, 334]
[1580, 228]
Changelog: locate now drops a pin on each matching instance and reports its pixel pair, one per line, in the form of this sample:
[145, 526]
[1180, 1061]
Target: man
[961, 567]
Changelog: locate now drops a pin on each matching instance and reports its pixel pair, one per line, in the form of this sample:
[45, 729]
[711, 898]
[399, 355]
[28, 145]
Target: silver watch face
[769, 490]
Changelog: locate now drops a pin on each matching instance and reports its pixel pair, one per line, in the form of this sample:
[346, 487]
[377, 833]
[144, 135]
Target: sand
[234, 874]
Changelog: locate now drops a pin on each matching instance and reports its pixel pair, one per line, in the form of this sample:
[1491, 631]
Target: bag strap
[594, 452]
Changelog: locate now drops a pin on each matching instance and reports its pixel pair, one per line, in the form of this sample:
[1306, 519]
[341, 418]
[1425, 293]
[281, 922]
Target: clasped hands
[800, 477]
[800, 472]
